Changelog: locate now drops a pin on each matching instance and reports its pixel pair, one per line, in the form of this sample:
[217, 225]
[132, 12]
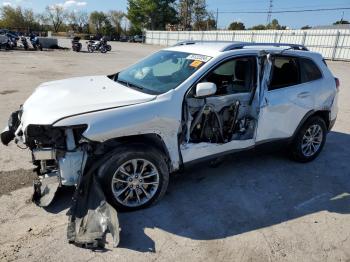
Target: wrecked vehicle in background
[120, 136]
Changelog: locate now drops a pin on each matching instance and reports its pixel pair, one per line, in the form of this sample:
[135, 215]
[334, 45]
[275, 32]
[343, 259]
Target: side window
[234, 76]
[285, 72]
[309, 70]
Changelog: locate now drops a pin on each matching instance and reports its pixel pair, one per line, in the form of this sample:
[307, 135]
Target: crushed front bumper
[90, 216]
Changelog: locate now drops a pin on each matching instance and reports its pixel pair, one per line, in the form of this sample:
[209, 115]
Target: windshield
[162, 71]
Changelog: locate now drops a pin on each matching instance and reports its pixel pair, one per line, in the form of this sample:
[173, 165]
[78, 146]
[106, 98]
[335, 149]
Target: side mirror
[205, 89]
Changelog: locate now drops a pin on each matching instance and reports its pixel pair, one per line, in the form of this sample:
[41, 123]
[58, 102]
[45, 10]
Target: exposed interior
[230, 113]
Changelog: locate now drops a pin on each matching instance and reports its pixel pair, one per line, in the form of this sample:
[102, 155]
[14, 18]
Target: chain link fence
[333, 44]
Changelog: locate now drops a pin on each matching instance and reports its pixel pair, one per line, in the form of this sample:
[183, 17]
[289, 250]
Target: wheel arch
[324, 114]
[151, 140]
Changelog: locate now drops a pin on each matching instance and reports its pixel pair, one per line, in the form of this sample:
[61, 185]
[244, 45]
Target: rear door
[287, 96]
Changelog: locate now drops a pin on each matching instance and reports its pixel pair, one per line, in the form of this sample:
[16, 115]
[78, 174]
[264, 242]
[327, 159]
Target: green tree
[341, 22]
[275, 25]
[258, 27]
[97, 22]
[151, 14]
[19, 18]
[305, 27]
[200, 15]
[236, 26]
[78, 20]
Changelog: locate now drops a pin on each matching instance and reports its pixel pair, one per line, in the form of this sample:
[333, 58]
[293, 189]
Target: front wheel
[90, 49]
[103, 49]
[135, 177]
[310, 140]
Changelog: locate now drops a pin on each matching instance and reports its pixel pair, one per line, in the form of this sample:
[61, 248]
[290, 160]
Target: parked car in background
[124, 38]
[137, 39]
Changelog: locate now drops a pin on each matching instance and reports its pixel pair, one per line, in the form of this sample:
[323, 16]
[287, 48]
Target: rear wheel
[310, 140]
[135, 177]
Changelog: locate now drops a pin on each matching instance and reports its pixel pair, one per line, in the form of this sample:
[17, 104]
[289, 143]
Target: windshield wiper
[128, 84]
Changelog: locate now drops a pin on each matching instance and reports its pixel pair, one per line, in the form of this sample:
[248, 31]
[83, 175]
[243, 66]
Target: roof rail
[239, 45]
[244, 44]
[193, 42]
[187, 43]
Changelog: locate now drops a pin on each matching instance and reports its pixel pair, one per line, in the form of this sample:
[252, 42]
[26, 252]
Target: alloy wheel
[312, 140]
[135, 182]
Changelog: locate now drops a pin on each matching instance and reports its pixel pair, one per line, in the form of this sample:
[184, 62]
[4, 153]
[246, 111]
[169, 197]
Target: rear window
[285, 72]
[309, 70]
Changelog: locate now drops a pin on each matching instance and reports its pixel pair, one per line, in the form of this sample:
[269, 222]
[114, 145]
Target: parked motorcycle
[34, 40]
[76, 45]
[24, 42]
[101, 46]
[12, 40]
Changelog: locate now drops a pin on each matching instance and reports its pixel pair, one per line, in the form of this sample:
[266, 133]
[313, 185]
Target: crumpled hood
[55, 100]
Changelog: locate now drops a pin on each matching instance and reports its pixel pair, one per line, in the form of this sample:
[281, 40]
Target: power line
[285, 11]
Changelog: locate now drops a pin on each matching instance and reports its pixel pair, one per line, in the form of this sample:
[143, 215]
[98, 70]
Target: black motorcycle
[76, 45]
[34, 40]
[101, 46]
[24, 42]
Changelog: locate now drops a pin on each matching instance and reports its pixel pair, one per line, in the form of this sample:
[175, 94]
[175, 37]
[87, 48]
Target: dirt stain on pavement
[13, 180]
[6, 92]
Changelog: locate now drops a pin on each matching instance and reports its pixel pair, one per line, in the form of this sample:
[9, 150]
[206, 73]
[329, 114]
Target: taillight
[337, 83]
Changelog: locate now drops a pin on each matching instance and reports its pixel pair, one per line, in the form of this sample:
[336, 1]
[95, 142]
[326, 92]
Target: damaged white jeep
[192, 101]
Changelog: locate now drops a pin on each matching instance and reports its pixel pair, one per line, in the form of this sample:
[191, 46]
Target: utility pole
[217, 18]
[269, 13]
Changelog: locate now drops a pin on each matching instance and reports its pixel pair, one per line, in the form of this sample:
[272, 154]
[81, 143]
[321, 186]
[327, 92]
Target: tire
[109, 48]
[103, 49]
[299, 149]
[122, 160]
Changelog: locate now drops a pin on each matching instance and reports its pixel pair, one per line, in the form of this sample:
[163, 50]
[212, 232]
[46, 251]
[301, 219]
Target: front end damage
[62, 157]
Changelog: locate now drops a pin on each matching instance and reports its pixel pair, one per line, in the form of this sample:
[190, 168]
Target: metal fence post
[303, 39]
[335, 45]
[275, 38]
[252, 38]
[233, 36]
[202, 36]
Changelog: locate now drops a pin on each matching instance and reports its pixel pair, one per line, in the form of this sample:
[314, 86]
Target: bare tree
[185, 13]
[57, 15]
[78, 20]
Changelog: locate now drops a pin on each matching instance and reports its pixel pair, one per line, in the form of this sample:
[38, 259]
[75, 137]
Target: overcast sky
[293, 20]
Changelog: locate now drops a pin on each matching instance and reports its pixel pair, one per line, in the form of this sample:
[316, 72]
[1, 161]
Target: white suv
[192, 101]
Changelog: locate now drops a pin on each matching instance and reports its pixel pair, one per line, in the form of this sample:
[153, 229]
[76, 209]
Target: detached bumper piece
[45, 190]
[9, 133]
[90, 216]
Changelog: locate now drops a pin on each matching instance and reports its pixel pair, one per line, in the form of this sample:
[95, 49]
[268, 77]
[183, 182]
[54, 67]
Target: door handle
[304, 94]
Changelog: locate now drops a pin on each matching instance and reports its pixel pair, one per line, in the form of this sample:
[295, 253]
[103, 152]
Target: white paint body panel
[54, 100]
[111, 110]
